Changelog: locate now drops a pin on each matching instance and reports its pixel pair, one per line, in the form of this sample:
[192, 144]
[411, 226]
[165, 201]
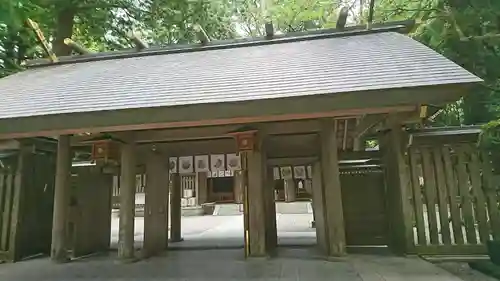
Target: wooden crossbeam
[367, 122]
[202, 35]
[76, 47]
[41, 39]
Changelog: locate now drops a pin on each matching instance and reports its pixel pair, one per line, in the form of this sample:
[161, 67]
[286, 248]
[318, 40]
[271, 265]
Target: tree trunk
[64, 29]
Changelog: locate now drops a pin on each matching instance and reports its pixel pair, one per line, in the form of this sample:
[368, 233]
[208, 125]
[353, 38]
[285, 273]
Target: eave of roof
[445, 131]
[397, 26]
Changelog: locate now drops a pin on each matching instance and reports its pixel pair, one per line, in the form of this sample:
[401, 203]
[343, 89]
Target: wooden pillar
[127, 201]
[202, 187]
[156, 205]
[238, 186]
[318, 204]
[290, 190]
[175, 209]
[105, 184]
[308, 185]
[334, 216]
[58, 251]
[256, 208]
[392, 145]
[271, 225]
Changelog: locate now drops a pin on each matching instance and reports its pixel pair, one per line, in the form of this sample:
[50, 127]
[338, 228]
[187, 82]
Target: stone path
[229, 264]
[225, 265]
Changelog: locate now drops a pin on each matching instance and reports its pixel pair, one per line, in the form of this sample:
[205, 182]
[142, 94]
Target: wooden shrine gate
[363, 199]
[27, 173]
[454, 201]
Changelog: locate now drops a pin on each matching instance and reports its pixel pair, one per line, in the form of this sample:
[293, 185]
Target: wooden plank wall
[36, 201]
[454, 200]
[7, 185]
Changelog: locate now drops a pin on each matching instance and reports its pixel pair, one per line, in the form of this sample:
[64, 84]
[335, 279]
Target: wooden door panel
[364, 207]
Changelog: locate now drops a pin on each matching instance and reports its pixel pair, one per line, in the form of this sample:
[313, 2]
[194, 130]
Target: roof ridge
[398, 26]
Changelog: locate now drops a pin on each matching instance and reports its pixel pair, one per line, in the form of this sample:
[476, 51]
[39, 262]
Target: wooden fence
[454, 199]
[26, 202]
[188, 188]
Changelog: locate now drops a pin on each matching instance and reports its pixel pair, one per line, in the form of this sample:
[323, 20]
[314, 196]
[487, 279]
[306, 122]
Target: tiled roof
[311, 67]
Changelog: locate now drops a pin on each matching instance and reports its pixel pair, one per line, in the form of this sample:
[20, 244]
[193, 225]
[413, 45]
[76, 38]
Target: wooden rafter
[76, 47]
[139, 44]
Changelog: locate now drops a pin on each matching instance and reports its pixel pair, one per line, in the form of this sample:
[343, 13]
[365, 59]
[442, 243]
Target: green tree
[466, 32]
[101, 25]
[286, 15]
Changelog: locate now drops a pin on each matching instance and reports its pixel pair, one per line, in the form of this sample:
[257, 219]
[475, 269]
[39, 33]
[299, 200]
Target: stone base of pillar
[61, 259]
[176, 240]
[127, 260]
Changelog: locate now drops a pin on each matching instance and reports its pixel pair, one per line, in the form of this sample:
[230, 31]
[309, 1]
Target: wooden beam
[119, 122]
[41, 39]
[76, 47]
[277, 146]
[396, 118]
[193, 147]
[139, 44]
[367, 122]
[9, 144]
[212, 132]
[202, 35]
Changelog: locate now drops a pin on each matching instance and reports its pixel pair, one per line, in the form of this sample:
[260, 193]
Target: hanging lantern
[245, 138]
[105, 148]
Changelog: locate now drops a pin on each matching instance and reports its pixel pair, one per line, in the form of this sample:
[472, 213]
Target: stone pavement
[225, 265]
[229, 264]
[227, 231]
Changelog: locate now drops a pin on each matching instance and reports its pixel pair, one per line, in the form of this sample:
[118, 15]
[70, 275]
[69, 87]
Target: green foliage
[286, 15]
[467, 32]
[103, 25]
